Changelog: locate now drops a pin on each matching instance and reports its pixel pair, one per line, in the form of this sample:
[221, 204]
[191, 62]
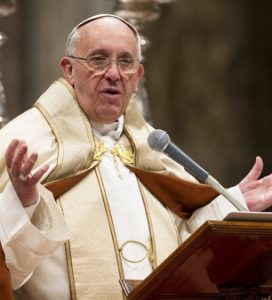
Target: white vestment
[27, 246]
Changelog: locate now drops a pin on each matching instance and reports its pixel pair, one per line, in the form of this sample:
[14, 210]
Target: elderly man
[92, 221]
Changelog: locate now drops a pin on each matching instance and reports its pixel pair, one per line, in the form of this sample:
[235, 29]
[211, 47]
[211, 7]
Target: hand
[19, 167]
[257, 192]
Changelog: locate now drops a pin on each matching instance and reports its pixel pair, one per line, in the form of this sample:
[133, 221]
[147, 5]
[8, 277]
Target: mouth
[111, 91]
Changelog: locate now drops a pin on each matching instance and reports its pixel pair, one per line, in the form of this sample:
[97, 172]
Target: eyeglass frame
[110, 60]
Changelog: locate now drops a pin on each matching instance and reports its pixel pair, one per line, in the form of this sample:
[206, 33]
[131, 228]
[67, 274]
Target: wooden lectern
[221, 260]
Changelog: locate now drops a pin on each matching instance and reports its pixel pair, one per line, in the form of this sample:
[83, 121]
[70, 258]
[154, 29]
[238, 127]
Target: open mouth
[111, 91]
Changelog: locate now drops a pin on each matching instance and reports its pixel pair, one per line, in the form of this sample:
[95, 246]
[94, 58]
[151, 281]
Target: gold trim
[174, 225]
[67, 85]
[69, 263]
[90, 134]
[110, 220]
[153, 250]
[153, 256]
[152, 253]
[132, 144]
[70, 269]
[57, 134]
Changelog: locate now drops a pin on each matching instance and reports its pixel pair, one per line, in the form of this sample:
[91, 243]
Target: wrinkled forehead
[93, 18]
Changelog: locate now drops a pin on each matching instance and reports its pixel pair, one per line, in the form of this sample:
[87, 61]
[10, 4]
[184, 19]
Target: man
[87, 138]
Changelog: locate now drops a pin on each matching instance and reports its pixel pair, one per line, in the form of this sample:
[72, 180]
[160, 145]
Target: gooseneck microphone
[159, 140]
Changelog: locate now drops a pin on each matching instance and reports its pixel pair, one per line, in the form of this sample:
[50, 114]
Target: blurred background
[208, 71]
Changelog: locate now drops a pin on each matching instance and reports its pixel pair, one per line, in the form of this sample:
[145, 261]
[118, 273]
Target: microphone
[159, 140]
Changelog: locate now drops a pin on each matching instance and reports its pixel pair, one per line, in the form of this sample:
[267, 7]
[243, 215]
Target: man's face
[103, 96]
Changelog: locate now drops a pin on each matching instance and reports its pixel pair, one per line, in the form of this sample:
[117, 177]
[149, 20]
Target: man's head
[104, 82]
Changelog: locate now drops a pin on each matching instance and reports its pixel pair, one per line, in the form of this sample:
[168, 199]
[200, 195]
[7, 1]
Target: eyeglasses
[99, 63]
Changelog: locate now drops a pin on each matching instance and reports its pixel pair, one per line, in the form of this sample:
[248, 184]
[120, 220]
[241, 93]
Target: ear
[140, 74]
[67, 69]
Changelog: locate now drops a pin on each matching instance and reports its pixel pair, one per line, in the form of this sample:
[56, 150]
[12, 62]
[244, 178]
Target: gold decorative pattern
[125, 154]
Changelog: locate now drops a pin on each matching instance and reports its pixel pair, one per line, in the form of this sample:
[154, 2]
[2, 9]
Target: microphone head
[158, 140]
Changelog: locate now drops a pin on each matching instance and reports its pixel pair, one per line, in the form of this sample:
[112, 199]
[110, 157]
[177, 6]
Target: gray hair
[75, 33]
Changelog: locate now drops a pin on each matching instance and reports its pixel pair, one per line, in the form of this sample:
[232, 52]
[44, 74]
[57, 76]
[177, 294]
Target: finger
[255, 171]
[18, 159]
[35, 178]
[11, 151]
[28, 164]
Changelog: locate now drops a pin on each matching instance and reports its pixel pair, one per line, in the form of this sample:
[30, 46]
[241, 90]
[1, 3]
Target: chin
[110, 116]
[107, 119]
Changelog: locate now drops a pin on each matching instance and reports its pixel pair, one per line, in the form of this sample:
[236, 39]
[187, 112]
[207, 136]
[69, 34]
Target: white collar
[113, 130]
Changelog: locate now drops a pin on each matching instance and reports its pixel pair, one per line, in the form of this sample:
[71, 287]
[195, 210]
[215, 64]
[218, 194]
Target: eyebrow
[106, 53]
[98, 51]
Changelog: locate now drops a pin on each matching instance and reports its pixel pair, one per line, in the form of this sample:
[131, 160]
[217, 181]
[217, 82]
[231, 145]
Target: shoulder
[29, 126]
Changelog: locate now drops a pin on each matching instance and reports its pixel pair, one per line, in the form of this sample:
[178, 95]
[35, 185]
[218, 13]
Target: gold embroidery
[100, 149]
[125, 154]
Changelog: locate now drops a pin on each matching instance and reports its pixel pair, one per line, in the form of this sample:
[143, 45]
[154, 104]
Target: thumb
[255, 171]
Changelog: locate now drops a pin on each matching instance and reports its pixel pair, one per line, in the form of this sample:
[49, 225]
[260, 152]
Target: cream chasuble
[94, 258]
[100, 209]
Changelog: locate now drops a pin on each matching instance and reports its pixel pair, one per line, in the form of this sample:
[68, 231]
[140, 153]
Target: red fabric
[5, 282]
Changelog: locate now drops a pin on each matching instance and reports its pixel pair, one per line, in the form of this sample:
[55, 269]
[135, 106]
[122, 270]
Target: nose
[112, 72]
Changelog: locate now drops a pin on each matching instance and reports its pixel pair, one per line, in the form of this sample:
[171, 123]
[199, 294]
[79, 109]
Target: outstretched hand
[19, 167]
[257, 191]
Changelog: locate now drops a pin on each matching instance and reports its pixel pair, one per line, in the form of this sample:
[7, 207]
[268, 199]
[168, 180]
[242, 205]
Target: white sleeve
[215, 210]
[26, 243]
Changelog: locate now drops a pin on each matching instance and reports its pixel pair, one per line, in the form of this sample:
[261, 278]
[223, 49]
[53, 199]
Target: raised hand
[257, 192]
[19, 167]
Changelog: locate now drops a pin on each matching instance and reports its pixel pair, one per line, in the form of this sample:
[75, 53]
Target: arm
[21, 236]
[27, 243]
[215, 210]
[253, 191]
